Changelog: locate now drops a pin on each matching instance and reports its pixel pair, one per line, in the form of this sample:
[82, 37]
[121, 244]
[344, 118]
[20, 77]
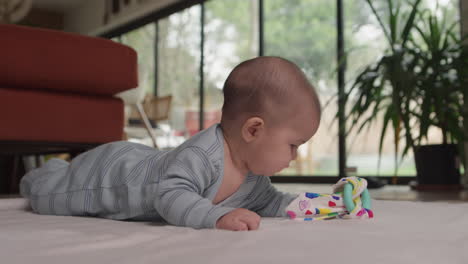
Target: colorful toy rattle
[350, 199]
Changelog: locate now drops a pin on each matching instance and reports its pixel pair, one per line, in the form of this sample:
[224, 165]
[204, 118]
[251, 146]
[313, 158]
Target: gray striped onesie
[129, 181]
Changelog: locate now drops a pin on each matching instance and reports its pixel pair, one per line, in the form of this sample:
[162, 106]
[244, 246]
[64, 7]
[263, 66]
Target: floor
[388, 192]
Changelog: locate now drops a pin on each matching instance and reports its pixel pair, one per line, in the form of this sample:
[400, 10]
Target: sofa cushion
[33, 58]
[52, 117]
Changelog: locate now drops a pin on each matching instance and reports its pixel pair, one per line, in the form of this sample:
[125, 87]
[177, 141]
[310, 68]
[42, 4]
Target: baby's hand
[239, 220]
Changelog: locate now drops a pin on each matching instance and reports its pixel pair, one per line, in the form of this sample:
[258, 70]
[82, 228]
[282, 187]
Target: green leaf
[410, 22]
[379, 19]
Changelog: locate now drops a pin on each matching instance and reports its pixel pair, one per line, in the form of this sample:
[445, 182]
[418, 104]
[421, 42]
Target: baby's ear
[252, 128]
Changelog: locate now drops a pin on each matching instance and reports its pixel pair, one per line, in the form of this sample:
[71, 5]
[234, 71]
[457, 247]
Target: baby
[216, 179]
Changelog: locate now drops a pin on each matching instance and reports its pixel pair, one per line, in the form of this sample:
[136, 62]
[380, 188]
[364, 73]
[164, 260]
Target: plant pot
[437, 164]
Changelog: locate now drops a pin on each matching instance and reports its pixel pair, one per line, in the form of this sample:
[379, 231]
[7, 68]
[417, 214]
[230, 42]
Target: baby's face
[278, 146]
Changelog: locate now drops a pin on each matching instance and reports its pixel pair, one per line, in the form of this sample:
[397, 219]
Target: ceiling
[61, 6]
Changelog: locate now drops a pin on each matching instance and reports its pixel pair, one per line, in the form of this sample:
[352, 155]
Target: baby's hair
[258, 86]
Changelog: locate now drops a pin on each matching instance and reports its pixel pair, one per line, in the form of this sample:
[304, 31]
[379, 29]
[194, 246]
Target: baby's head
[270, 108]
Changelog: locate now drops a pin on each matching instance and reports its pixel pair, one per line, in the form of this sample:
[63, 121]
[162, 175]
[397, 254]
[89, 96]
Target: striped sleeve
[269, 202]
[179, 198]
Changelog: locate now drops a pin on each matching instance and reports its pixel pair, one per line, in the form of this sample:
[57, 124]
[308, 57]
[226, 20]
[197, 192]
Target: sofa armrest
[32, 58]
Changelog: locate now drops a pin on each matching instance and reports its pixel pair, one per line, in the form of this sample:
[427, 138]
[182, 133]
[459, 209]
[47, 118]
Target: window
[231, 36]
[142, 40]
[365, 43]
[304, 32]
[178, 68]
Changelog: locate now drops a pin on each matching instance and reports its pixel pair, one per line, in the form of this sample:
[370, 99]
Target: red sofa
[57, 90]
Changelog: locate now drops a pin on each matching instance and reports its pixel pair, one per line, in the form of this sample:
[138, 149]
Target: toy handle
[366, 200]
[348, 198]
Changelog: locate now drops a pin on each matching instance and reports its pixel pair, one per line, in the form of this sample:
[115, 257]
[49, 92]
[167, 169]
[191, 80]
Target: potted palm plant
[412, 85]
[440, 98]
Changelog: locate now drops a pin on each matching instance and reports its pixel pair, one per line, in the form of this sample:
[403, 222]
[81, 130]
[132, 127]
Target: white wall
[89, 18]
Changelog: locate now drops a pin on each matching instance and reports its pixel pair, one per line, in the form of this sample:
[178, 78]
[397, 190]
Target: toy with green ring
[349, 199]
[350, 203]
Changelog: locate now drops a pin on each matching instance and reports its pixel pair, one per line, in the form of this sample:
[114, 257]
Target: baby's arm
[179, 193]
[268, 201]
